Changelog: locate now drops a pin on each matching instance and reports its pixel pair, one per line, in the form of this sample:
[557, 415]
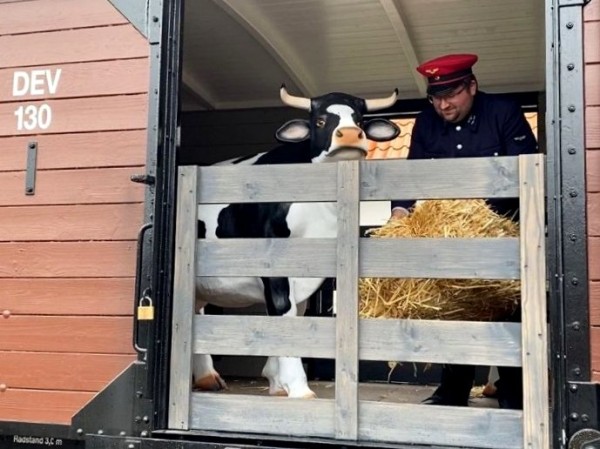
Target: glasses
[448, 97]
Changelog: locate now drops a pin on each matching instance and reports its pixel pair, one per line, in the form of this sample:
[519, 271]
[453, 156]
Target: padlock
[145, 312]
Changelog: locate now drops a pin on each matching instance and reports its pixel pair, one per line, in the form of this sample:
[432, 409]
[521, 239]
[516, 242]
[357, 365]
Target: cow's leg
[285, 374]
[205, 377]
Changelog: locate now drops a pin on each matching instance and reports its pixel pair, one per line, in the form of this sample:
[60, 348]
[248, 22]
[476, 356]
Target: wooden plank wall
[67, 253]
[592, 142]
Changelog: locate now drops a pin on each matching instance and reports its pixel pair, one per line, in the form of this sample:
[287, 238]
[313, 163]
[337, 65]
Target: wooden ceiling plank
[395, 17]
[260, 28]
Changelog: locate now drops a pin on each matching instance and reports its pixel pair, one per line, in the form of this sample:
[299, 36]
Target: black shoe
[510, 403]
[436, 399]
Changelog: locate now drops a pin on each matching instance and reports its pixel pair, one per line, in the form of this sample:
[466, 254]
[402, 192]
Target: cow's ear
[381, 130]
[293, 131]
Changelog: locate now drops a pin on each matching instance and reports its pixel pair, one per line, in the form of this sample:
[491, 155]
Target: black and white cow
[335, 131]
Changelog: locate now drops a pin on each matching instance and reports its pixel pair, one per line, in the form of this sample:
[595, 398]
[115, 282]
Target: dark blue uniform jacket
[496, 126]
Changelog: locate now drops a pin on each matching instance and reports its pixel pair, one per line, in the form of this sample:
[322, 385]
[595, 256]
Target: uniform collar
[471, 122]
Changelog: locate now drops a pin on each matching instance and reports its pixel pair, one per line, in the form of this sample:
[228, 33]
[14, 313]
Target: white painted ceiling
[238, 52]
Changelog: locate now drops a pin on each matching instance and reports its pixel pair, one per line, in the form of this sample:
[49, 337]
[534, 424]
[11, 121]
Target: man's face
[456, 105]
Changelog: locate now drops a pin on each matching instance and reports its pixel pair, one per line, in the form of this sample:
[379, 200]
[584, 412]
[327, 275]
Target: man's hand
[399, 213]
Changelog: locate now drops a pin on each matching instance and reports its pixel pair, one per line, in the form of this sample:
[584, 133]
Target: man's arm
[516, 132]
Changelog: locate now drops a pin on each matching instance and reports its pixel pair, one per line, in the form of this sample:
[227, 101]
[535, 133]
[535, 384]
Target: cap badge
[432, 71]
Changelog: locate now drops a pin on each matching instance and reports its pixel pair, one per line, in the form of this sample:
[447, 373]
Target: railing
[347, 338]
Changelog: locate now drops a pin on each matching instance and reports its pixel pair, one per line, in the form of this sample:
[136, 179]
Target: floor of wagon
[372, 391]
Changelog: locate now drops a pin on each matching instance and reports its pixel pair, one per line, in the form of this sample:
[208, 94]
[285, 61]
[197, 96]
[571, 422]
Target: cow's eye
[320, 123]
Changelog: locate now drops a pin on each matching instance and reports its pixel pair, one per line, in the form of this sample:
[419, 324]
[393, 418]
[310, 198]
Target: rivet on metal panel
[570, 25]
[573, 193]
[573, 388]
[575, 325]
[575, 281]
[572, 108]
[573, 237]
[79, 431]
[576, 371]
[144, 433]
[572, 151]
[570, 66]
[574, 416]
[585, 418]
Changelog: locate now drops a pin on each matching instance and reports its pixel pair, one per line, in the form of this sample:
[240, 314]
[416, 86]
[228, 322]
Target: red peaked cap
[446, 72]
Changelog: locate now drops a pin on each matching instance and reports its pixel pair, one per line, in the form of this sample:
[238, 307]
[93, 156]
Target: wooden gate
[346, 338]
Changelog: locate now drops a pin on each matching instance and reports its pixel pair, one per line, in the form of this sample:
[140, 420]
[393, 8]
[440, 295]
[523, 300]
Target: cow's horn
[295, 102]
[381, 103]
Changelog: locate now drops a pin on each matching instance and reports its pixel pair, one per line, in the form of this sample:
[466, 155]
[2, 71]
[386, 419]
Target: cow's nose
[349, 133]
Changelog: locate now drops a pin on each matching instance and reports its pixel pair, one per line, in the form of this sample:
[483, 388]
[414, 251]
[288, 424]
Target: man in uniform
[462, 121]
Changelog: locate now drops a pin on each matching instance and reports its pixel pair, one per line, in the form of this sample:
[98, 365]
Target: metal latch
[32, 148]
[143, 179]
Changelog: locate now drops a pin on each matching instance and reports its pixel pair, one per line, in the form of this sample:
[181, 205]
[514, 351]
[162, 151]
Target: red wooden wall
[67, 253]
[592, 143]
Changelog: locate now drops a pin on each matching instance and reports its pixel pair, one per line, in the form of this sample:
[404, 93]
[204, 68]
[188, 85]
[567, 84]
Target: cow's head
[336, 128]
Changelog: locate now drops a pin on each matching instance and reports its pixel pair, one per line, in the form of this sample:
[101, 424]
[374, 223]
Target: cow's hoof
[210, 382]
[303, 395]
[278, 392]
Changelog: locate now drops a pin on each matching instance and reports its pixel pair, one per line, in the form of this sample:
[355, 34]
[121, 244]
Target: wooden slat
[184, 292]
[380, 180]
[59, 371]
[430, 179]
[346, 323]
[595, 349]
[592, 162]
[380, 339]
[592, 85]
[82, 115]
[591, 11]
[593, 214]
[591, 49]
[129, 76]
[494, 258]
[85, 186]
[461, 426]
[67, 259]
[39, 406]
[57, 15]
[109, 335]
[595, 303]
[439, 425]
[465, 342]
[536, 424]
[52, 296]
[486, 258]
[64, 223]
[79, 150]
[268, 415]
[592, 125]
[59, 47]
[594, 258]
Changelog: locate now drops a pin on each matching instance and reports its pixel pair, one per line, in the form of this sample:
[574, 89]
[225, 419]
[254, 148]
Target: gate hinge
[583, 400]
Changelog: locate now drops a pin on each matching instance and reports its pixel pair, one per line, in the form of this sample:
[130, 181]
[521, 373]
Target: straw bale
[448, 299]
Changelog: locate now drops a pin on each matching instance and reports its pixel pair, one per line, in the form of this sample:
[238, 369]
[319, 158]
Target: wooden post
[536, 430]
[346, 361]
[183, 298]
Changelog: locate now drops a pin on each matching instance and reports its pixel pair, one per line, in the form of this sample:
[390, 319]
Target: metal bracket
[136, 11]
[584, 400]
[32, 148]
